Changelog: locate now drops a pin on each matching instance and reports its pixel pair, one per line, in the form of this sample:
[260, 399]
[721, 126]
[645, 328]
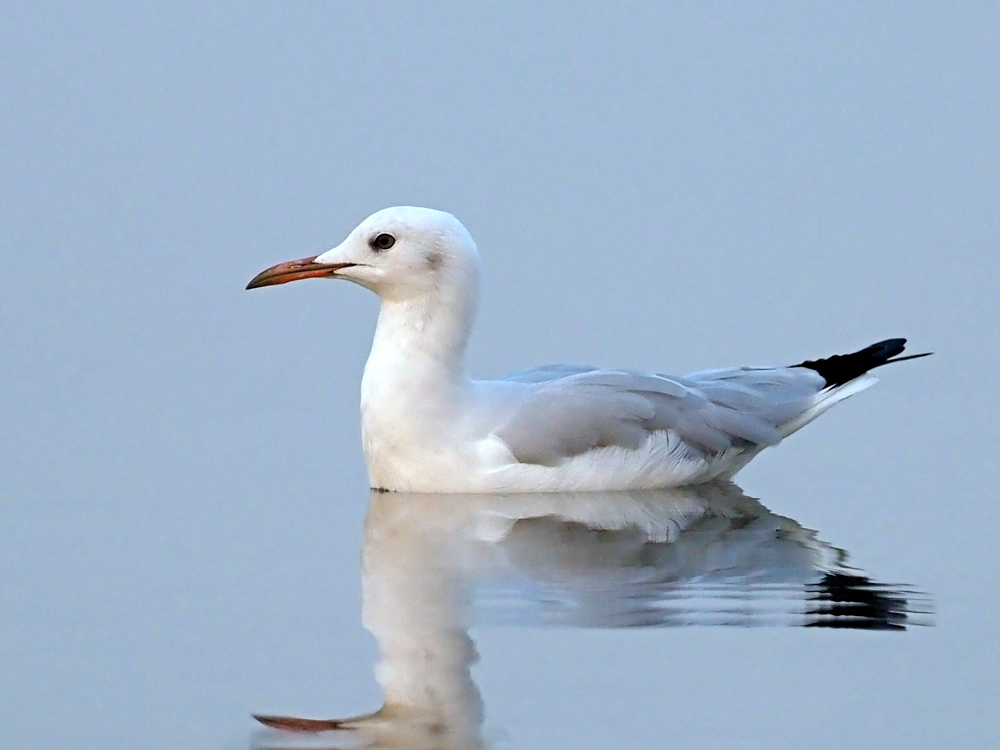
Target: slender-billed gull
[428, 427]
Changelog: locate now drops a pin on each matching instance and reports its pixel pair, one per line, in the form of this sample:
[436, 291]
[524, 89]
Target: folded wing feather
[571, 410]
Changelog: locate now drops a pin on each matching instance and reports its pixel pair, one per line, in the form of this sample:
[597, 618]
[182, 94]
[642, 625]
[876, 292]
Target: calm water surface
[434, 565]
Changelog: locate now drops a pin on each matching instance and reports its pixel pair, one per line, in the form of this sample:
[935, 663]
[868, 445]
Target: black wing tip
[843, 368]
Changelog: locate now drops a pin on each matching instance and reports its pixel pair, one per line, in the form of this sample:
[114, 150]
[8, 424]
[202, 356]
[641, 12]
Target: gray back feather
[572, 409]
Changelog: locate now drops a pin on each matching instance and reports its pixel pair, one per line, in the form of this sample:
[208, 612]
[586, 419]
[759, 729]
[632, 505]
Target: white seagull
[428, 427]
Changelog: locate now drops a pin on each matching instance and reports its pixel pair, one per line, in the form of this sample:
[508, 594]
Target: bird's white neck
[415, 383]
[421, 335]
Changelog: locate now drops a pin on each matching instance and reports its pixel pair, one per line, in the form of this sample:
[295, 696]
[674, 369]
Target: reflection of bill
[710, 555]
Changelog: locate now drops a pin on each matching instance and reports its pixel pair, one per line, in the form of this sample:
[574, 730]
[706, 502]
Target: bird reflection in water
[433, 565]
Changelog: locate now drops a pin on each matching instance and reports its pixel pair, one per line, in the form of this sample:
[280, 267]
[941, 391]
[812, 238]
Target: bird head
[397, 252]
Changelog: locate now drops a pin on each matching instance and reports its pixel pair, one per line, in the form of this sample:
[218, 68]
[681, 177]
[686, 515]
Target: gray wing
[545, 373]
[571, 409]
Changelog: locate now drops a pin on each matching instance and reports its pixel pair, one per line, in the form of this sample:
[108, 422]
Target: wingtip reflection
[847, 601]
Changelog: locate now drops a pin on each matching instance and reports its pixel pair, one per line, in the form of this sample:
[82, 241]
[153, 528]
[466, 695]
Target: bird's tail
[843, 368]
[845, 375]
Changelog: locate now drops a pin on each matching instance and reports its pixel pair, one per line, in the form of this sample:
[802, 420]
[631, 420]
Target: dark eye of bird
[382, 242]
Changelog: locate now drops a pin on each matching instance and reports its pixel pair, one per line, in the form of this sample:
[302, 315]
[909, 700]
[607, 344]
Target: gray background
[662, 186]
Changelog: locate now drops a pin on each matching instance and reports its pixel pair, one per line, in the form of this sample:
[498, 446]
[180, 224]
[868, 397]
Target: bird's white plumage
[428, 427]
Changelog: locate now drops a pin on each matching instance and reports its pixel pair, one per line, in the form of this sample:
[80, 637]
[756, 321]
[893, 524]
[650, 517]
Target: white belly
[401, 464]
